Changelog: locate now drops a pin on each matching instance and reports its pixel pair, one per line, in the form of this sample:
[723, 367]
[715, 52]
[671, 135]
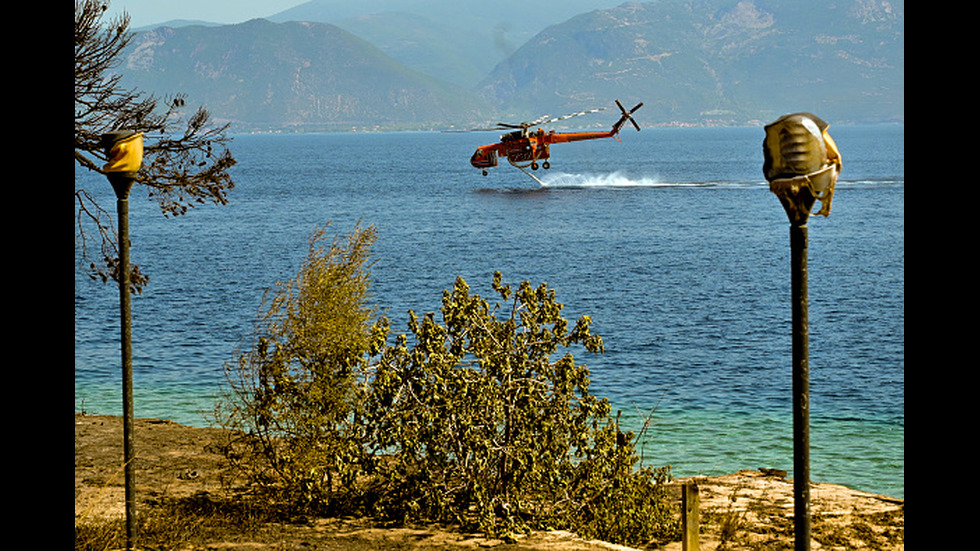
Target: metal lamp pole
[124, 150]
[801, 165]
[799, 243]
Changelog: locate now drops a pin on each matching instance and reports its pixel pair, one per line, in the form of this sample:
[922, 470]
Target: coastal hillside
[290, 76]
[459, 42]
[716, 62]
[692, 62]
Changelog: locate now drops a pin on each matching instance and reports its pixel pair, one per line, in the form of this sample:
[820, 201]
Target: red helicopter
[527, 146]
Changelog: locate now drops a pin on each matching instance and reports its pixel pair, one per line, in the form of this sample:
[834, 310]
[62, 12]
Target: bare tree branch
[185, 156]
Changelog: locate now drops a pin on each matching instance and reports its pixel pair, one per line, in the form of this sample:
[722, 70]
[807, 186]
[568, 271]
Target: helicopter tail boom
[564, 137]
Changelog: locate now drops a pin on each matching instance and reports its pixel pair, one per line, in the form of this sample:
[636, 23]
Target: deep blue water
[669, 240]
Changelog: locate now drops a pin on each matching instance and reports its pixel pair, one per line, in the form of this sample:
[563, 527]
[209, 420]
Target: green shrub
[483, 425]
[483, 418]
[295, 394]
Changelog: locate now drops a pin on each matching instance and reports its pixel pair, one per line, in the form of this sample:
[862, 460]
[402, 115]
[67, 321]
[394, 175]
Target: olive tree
[186, 159]
[296, 392]
[486, 419]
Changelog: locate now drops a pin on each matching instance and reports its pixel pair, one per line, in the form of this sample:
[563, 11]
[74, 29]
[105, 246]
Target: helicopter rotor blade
[540, 120]
[544, 119]
[633, 110]
[499, 126]
[491, 129]
[570, 115]
[523, 125]
[628, 115]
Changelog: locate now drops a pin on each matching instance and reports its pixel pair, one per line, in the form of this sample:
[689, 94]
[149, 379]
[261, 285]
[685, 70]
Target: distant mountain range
[291, 76]
[435, 64]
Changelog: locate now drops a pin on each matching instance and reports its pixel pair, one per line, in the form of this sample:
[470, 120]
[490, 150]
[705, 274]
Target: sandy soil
[178, 461]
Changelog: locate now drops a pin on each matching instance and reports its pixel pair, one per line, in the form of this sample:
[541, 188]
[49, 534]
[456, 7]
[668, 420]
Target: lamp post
[124, 151]
[801, 164]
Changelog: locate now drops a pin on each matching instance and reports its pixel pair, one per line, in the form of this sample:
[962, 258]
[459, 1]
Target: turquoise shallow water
[669, 240]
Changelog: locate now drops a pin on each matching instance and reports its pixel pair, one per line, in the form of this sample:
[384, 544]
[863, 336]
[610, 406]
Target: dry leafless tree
[186, 157]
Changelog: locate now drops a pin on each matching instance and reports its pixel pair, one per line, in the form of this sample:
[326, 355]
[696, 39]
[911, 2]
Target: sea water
[669, 239]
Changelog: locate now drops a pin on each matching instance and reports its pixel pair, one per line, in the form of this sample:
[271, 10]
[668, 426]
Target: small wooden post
[691, 517]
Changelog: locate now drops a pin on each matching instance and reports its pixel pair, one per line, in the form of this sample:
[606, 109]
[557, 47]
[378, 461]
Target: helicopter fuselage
[528, 147]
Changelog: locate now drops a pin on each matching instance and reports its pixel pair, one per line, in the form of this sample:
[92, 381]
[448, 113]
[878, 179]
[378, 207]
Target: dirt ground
[747, 510]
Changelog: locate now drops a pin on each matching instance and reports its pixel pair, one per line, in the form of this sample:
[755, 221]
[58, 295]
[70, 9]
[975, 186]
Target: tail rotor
[627, 116]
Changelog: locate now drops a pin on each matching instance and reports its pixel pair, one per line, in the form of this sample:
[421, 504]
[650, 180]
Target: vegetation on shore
[482, 419]
[190, 498]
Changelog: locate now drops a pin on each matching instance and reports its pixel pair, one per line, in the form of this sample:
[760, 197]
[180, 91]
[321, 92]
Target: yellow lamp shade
[126, 155]
[801, 162]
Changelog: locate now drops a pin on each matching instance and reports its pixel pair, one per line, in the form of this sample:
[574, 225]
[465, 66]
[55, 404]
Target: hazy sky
[149, 12]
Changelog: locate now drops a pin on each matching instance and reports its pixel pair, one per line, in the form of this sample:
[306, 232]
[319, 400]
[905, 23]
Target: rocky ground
[747, 510]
